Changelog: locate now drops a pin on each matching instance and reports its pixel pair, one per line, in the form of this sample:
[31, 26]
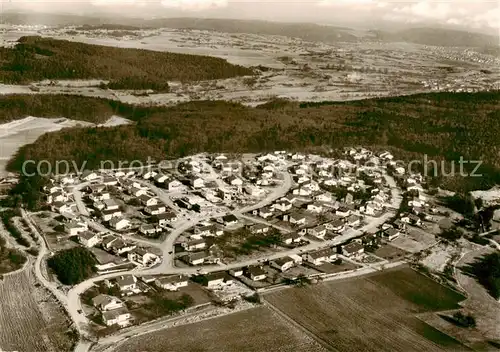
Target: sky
[468, 14]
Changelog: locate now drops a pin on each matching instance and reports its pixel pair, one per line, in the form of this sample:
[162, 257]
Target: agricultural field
[373, 313]
[257, 329]
[30, 318]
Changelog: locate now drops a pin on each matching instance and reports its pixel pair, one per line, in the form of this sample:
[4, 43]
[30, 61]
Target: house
[109, 181]
[120, 317]
[296, 219]
[155, 209]
[324, 197]
[89, 239]
[265, 212]
[215, 279]
[256, 273]
[234, 181]
[194, 245]
[318, 231]
[107, 241]
[119, 223]
[74, 227]
[137, 191]
[88, 175]
[335, 225]
[254, 191]
[400, 225]
[196, 182]
[99, 196]
[320, 256]
[57, 196]
[236, 272]
[343, 211]
[411, 219]
[126, 282]
[120, 247]
[230, 220]
[164, 219]
[259, 228]
[107, 215]
[197, 258]
[282, 205]
[390, 234]
[106, 302]
[224, 194]
[142, 256]
[291, 237]
[160, 178]
[315, 207]
[173, 185]
[110, 204]
[353, 249]
[353, 220]
[148, 229]
[172, 283]
[61, 207]
[148, 201]
[282, 264]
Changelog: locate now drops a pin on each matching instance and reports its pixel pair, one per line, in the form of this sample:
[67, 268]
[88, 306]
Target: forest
[36, 59]
[443, 126]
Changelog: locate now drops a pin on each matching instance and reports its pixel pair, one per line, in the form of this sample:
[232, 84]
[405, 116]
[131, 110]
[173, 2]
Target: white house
[75, 227]
[324, 197]
[120, 316]
[197, 182]
[164, 219]
[110, 204]
[320, 256]
[234, 181]
[173, 185]
[282, 264]
[147, 200]
[142, 256]
[282, 205]
[318, 231]
[137, 191]
[194, 245]
[119, 223]
[88, 175]
[353, 249]
[297, 219]
[89, 239]
[255, 273]
[265, 212]
[172, 283]
[315, 207]
[155, 209]
[106, 302]
[291, 237]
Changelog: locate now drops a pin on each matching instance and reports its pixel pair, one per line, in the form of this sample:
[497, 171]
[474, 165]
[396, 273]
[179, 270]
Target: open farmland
[30, 319]
[373, 313]
[256, 329]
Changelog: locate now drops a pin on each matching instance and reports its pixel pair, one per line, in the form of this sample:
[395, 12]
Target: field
[256, 329]
[374, 313]
[30, 319]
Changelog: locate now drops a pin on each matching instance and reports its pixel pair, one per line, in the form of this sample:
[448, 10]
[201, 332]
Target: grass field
[374, 313]
[255, 330]
[30, 319]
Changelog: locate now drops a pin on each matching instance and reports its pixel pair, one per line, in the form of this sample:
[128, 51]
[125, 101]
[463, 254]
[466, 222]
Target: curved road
[72, 303]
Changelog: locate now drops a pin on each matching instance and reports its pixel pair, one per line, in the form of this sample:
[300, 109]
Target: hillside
[36, 58]
[439, 37]
[444, 126]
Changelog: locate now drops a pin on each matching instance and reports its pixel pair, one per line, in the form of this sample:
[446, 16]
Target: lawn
[253, 330]
[371, 313]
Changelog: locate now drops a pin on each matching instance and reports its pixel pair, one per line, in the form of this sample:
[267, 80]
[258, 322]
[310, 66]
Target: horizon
[480, 17]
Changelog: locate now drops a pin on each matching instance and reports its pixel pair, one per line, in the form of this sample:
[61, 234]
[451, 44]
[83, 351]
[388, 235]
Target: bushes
[73, 266]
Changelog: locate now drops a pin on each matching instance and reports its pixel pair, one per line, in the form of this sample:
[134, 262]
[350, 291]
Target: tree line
[35, 59]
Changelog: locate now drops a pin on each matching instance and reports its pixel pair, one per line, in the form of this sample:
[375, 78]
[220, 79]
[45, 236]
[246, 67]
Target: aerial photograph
[249, 175]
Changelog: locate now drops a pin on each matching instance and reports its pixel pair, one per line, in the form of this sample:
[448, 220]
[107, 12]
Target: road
[72, 302]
